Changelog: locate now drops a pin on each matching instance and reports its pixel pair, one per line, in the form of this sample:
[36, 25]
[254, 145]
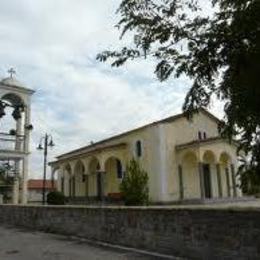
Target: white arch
[13, 98]
[80, 180]
[113, 175]
[225, 158]
[190, 175]
[209, 157]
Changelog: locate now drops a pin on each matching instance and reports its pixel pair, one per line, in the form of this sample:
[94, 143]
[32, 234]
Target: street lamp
[45, 142]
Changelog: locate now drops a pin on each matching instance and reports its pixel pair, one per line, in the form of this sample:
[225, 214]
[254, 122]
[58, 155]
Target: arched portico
[226, 165]
[205, 171]
[95, 181]
[189, 176]
[81, 182]
[113, 176]
[208, 172]
[55, 176]
[68, 181]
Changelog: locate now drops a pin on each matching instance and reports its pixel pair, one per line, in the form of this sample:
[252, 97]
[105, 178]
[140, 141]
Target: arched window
[199, 135]
[204, 135]
[119, 169]
[138, 148]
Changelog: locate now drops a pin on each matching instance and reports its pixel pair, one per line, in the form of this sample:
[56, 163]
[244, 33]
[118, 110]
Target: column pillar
[73, 186]
[70, 185]
[228, 182]
[201, 177]
[26, 158]
[181, 182]
[18, 140]
[24, 180]
[52, 177]
[62, 181]
[220, 192]
[15, 188]
[26, 130]
[233, 175]
[17, 163]
[15, 195]
[101, 184]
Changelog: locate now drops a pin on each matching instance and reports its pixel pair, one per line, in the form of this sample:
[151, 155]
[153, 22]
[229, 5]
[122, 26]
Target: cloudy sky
[52, 45]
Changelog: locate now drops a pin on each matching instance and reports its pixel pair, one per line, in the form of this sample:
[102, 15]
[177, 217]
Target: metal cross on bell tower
[11, 71]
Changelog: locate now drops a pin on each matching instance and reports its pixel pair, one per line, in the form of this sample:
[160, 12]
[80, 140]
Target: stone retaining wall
[195, 233]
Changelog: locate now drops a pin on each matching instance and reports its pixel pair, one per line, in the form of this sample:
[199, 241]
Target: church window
[138, 148]
[205, 135]
[199, 135]
[119, 169]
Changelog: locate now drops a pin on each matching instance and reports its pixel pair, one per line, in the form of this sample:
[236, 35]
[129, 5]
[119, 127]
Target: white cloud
[53, 45]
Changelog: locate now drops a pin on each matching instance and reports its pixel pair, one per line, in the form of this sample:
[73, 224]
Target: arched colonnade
[94, 176]
[206, 174]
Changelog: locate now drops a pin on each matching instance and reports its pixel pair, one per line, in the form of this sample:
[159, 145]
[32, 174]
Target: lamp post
[45, 142]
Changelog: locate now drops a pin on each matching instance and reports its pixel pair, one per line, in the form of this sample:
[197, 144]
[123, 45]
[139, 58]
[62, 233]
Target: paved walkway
[16, 244]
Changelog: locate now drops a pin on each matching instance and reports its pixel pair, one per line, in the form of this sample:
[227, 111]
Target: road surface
[20, 244]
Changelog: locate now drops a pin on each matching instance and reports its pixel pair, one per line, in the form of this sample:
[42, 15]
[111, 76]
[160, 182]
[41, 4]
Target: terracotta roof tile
[38, 184]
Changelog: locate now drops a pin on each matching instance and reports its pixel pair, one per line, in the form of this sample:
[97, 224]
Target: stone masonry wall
[195, 233]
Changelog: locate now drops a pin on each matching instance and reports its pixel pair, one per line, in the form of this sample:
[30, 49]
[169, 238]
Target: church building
[186, 160]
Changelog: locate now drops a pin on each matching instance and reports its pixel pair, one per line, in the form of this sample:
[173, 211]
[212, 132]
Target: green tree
[56, 198]
[134, 185]
[219, 52]
[6, 181]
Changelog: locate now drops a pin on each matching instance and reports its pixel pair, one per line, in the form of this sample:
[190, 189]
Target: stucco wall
[195, 233]
[148, 161]
[183, 131]
[159, 158]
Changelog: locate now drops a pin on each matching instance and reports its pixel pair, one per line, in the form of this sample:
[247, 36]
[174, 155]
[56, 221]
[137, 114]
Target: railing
[11, 142]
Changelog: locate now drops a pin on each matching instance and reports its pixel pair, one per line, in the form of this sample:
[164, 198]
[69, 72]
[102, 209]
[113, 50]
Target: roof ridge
[164, 120]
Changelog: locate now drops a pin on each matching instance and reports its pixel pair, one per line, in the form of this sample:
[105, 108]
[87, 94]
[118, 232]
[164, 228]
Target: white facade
[14, 144]
[184, 159]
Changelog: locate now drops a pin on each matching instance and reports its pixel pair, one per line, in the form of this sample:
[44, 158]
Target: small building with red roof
[35, 187]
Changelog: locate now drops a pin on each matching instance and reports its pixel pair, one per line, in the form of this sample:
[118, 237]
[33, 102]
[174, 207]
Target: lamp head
[51, 143]
[39, 147]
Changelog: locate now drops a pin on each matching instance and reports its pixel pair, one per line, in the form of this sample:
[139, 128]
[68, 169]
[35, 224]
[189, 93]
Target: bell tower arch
[15, 131]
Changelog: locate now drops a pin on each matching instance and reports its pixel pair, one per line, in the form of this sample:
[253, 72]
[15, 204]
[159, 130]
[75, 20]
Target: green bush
[134, 186]
[56, 198]
[250, 182]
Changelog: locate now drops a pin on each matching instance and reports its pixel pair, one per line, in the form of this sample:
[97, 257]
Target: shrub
[250, 182]
[134, 186]
[56, 198]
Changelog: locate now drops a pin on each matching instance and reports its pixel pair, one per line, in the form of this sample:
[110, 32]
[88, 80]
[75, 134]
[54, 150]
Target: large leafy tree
[219, 52]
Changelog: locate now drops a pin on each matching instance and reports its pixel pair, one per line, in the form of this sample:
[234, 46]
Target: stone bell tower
[15, 98]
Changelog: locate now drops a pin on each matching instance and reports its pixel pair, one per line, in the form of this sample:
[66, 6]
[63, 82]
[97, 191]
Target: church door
[207, 181]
